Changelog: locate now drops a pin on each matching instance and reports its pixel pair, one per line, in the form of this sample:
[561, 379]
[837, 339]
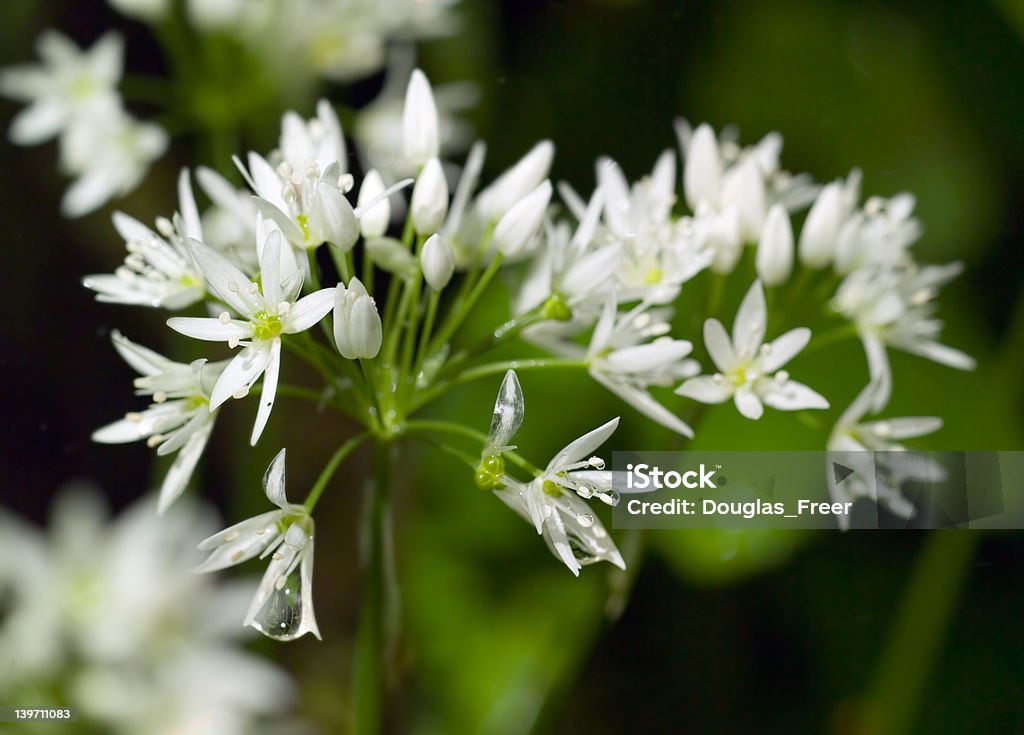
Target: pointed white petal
[240, 373]
[791, 396]
[274, 481]
[269, 391]
[748, 403]
[181, 469]
[706, 389]
[209, 329]
[751, 322]
[719, 346]
[583, 447]
[783, 349]
[309, 310]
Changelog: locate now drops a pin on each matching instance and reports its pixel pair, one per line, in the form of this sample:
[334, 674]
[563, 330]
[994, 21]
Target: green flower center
[266, 325]
[556, 309]
[489, 472]
[303, 221]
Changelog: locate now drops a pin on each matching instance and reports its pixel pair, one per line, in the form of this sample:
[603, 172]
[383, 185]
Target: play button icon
[840, 472]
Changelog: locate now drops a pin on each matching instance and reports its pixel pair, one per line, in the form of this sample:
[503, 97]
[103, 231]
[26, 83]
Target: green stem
[915, 640]
[506, 331]
[459, 314]
[332, 465]
[448, 427]
[428, 326]
[497, 368]
[368, 676]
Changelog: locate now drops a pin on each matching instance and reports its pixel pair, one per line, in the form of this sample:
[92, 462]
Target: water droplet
[231, 536]
[584, 490]
[585, 519]
[611, 497]
[281, 617]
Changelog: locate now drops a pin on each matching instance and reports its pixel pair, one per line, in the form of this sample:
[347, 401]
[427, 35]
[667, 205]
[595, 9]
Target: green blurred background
[709, 632]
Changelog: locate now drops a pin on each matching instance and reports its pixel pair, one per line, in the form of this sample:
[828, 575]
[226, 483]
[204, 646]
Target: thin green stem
[496, 368]
[461, 311]
[428, 326]
[447, 427]
[332, 465]
[924, 614]
[368, 676]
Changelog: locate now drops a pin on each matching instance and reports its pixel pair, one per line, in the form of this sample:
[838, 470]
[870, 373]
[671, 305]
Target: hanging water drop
[585, 519]
[610, 497]
[280, 617]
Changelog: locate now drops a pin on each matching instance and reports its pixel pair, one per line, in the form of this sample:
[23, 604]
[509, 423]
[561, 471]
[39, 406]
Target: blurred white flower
[179, 419]
[268, 309]
[834, 205]
[283, 605]
[147, 10]
[519, 224]
[68, 85]
[131, 636]
[774, 260]
[749, 369]
[437, 262]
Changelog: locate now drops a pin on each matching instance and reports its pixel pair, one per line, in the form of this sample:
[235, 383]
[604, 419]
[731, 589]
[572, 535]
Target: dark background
[722, 633]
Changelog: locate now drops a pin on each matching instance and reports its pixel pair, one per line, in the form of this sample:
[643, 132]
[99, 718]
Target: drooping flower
[283, 605]
[552, 502]
[749, 368]
[265, 311]
[178, 420]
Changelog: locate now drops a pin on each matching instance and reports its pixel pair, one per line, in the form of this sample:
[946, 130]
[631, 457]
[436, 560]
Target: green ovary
[266, 326]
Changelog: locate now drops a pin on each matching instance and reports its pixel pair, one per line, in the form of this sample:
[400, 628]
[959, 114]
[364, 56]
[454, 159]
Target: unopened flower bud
[744, 188]
[357, 328]
[774, 258]
[821, 228]
[420, 139]
[429, 198]
[373, 222]
[437, 261]
[494, 201]
[702, 175]
[515, 229]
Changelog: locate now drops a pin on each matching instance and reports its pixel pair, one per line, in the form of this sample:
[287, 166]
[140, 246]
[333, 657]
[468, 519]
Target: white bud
[744, 188]
[213, 15]
[429, 198]
[420, 138]
[374, 222]
[437, 261]
[821, 228]
[518, 181]
[774, 258]
[515, 229]
[357, 328]
[331, 218]
[702, 175]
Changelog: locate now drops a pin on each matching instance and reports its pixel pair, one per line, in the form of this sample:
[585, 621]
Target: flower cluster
[598, 281]
[72, 94]
[106, 615]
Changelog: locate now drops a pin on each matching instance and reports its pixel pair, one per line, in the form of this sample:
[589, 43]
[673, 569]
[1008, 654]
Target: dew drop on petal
[585, 519]
[611, 497]
[281, 617]
[584, 490]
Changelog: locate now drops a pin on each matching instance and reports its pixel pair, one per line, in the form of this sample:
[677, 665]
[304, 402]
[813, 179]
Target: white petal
[209, 329]
[706, 389]
[644, 402]
[747, 403]
[269, 391]
[783, 349]
[223, 278]
[791, 396]
[584, 446]
[245, 542]
[647, 357]
[908, 427]
[274, 481]
[182, 468]
[38, 122]
[939, 353]
[509, 409]
[881, 372]
[719, 346]
[751, 322]
[187, 206]
[240, 373]
[515, 183]
[774, 259]
[821, 228]
[309, 310]
[144, 360]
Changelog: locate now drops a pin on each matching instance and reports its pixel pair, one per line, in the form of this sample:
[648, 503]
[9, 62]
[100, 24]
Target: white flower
[659, 253]
[266, 310]
[179, 419]
[68, 85]
[215, 15]
[303, 184]
[748, 368]
[283, 606]
[621, 360]
[357, 326]
[108, 154]
[774, 260]
[879, 462]
[229, 225]
[895, 307]
[437, 261]
[576, 268]
[878, 235]
[157, 272]
[520, 223]
[551, 502]
[429, 198]
[421, 140]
